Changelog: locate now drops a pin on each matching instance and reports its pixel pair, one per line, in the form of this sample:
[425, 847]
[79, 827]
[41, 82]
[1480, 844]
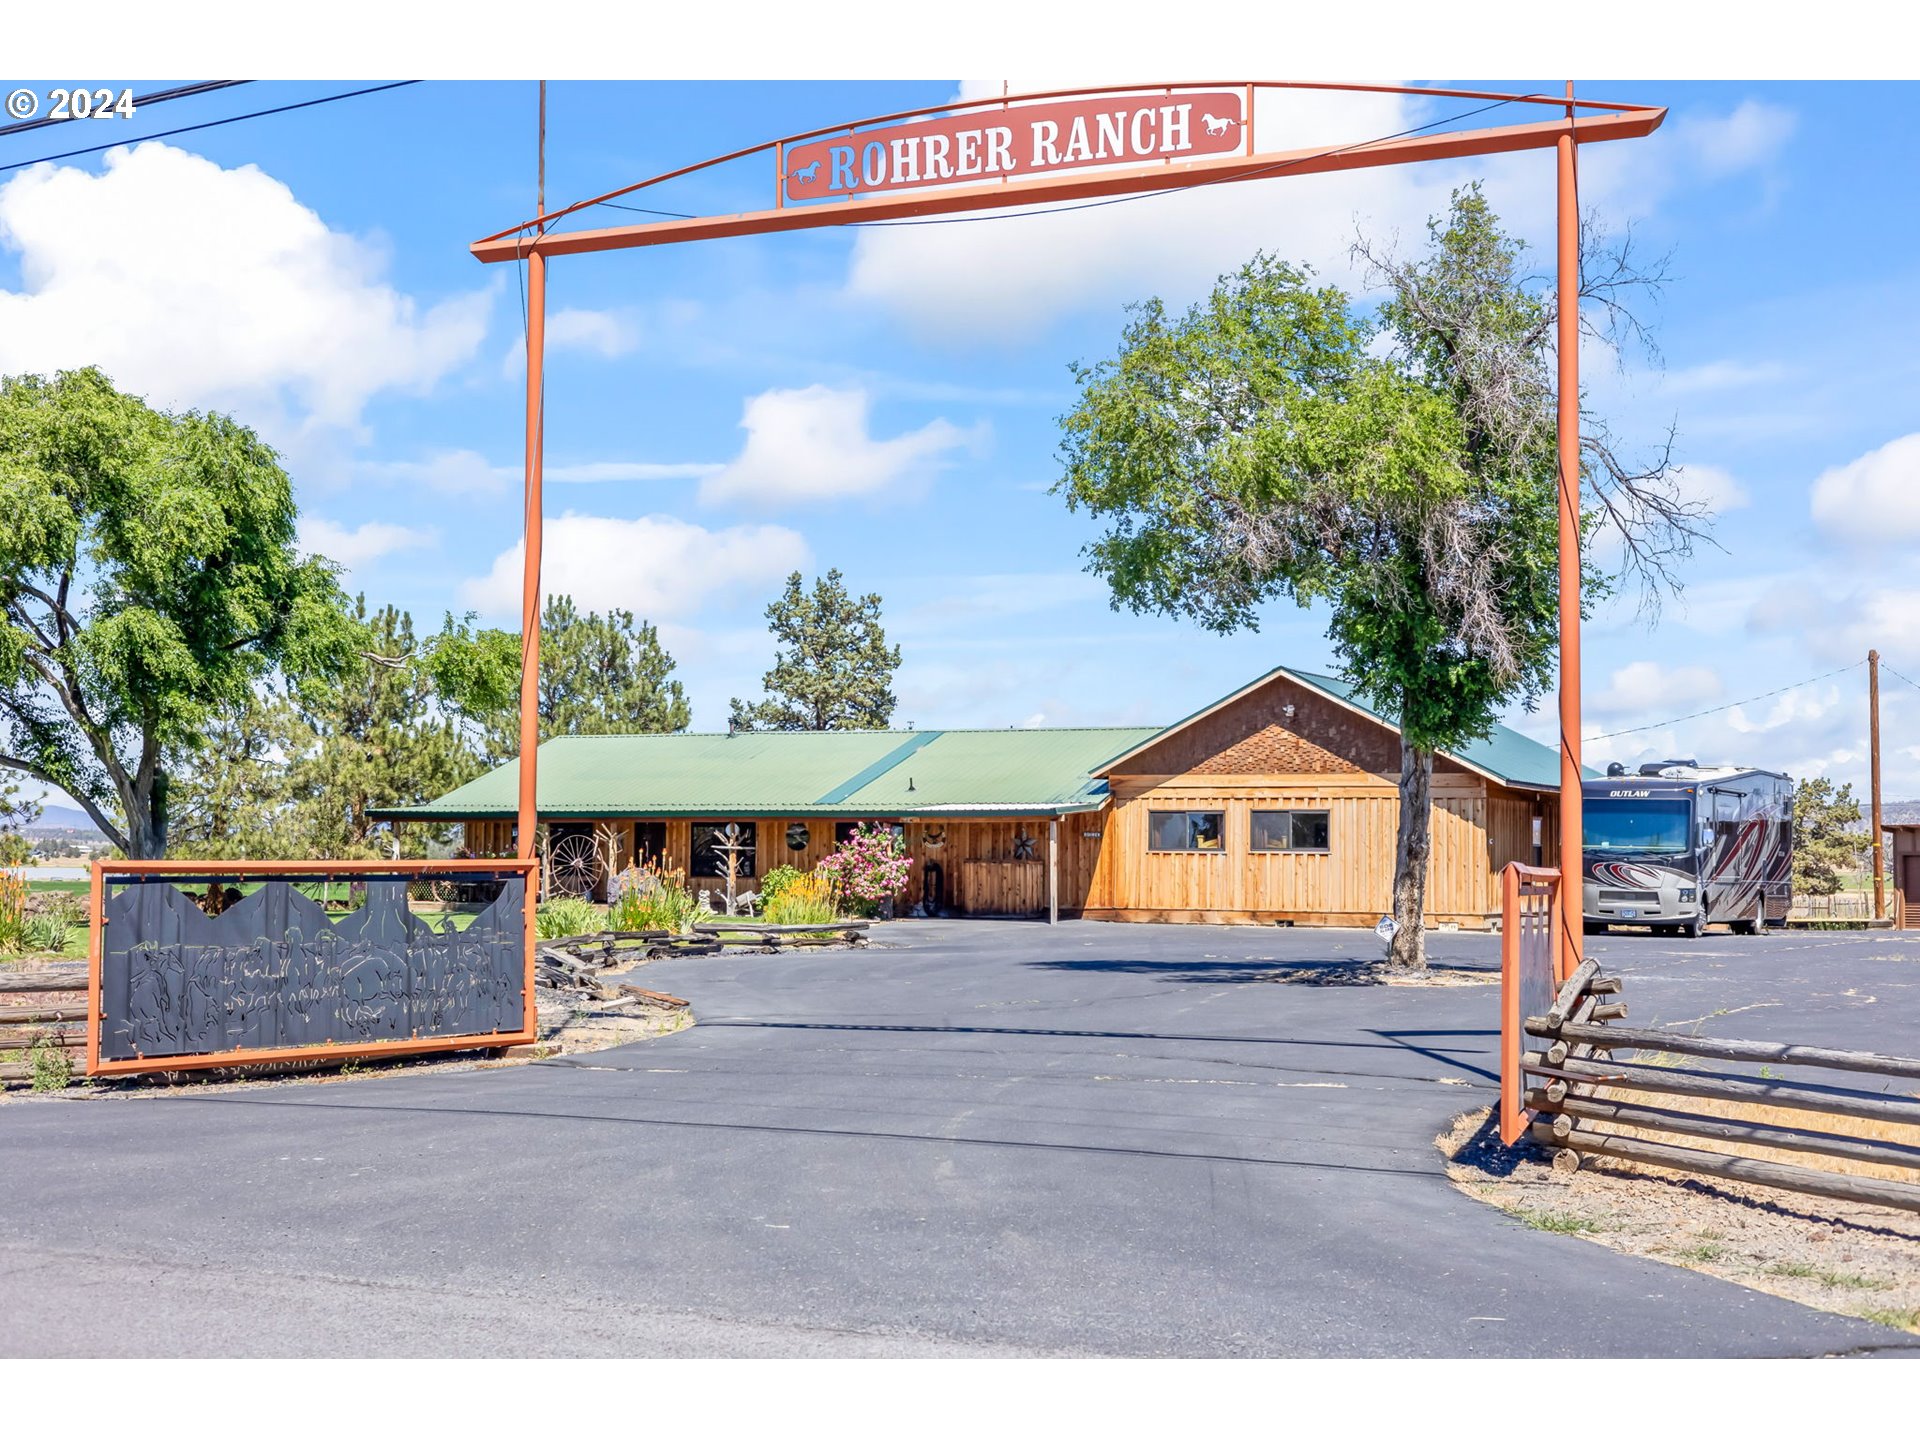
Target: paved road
[985, 1138]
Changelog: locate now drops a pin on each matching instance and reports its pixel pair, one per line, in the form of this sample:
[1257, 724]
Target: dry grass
[1850, 1258]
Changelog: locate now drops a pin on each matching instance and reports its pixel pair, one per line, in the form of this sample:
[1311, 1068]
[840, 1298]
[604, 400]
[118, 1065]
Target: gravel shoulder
[1850, 1259]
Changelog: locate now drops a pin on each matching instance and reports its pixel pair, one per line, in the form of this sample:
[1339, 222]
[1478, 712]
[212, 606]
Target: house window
[1186, 830]
[1270, 830]
[843, 829]
[710, 861]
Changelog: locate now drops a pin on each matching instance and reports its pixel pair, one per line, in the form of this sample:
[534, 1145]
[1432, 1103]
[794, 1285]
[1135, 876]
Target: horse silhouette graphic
[806, 174]
[1217, 124]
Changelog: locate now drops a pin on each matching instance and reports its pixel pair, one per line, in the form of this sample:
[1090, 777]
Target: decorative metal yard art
[1084, 146]
[274, 977]
[732, 846]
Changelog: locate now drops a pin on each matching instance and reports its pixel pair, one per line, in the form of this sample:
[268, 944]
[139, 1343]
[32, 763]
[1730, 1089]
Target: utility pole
[1873, 744]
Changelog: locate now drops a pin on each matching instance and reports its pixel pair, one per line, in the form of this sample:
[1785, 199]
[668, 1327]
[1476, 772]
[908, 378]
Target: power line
[209, 124]
[1896, 674]
[140, 102]
[1678, 719]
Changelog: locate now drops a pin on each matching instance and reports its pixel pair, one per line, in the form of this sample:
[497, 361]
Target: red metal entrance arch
[997, 153]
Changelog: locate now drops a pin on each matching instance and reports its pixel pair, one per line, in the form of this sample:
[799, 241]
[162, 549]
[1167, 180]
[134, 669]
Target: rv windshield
[1644, 825]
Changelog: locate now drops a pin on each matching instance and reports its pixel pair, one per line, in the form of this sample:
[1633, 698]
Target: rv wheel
[1692, 929]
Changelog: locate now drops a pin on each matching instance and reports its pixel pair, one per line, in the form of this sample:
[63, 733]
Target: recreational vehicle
[1678, 845]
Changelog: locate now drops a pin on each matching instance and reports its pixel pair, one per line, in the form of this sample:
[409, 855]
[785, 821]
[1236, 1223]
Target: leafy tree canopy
[15, 812]
[1398, 465]
[148, 578]
[832, 669]
[599, 675]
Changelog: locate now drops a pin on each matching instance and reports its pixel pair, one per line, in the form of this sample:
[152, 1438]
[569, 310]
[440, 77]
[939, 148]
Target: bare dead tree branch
[1502, 374]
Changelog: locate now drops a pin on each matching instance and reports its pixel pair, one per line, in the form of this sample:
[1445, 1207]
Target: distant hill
[62, 817]
[1898, 812]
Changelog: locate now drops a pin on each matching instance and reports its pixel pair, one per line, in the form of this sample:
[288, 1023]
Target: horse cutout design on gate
[275, 971]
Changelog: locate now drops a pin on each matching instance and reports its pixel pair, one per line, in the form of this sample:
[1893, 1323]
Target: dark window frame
[1294, 815]
[843, 829]
[1219, 818]
[750, 863]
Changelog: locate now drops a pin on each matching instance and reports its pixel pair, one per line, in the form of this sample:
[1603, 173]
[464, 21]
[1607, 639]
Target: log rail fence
[1566, 1085]
[43, 1022]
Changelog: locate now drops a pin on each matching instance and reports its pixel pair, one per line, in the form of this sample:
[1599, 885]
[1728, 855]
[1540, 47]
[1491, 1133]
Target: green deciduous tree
[599, 675]
[299, 773]
[148, 577]
[1399, 467]
[1826, 842]
[832, 668]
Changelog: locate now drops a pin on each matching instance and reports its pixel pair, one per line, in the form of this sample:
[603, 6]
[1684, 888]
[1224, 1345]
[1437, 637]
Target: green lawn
[57, 887]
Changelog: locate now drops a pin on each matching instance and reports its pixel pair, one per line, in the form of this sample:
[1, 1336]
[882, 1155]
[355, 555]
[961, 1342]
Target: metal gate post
[1568, 920]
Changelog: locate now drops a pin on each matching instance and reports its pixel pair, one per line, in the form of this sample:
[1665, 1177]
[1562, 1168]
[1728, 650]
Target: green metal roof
[846, 774]
[854, 774]
[1506, 754]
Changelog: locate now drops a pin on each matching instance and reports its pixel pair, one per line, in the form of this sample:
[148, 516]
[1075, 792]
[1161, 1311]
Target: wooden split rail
[574, 962]
[59, 1024]
[778, 937]
[1586, 1100]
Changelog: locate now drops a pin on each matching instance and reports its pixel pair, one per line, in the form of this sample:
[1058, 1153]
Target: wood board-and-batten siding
[1283, 745]
[1107, 872]
[1280, 745]
[1474, 833]
[978, 859]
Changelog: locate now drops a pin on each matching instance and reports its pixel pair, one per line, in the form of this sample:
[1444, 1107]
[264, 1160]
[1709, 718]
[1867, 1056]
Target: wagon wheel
[574, 865]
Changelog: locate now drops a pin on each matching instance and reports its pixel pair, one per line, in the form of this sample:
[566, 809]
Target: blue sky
[886, 401]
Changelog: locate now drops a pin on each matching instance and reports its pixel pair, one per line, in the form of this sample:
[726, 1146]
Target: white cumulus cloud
[1007, 279]
[1750, 135]
[446, 472]
[817, 444]
[197, 285]
[1874, 500]
[1717, 489]
[656, 566]
[606, 333]
[596, 472]
[466, 472]
[361, 544]
[1646, 686]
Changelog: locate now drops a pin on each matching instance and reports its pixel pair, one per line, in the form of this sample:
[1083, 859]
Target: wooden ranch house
[1277, 803]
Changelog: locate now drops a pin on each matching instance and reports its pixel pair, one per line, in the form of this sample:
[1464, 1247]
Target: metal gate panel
[274, 976]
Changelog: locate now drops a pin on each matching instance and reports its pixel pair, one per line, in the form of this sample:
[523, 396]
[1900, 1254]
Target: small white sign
[1386, 929]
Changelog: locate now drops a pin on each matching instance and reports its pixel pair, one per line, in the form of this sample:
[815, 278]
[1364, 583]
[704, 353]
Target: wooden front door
[1909, 896]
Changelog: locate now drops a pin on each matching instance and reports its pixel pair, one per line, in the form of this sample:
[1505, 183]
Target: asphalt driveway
[975, 1138]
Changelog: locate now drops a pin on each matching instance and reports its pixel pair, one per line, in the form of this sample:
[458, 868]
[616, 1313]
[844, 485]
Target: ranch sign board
[1008, 144]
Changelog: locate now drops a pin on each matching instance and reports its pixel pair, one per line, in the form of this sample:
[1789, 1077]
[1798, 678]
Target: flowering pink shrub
[871, 866]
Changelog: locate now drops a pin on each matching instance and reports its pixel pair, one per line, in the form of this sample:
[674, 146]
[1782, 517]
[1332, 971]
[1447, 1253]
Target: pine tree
[599, 675]
[1825, 843]
[833, 668]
